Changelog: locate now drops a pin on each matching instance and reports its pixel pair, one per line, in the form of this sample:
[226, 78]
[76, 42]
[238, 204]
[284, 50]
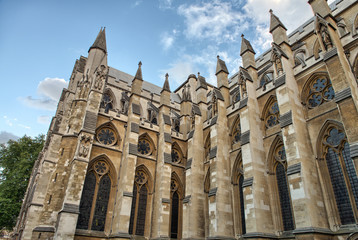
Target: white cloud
[215, 20]
[137, 3]
[167, 39]
[178, 72]
[50, 90]
[44, 120]
[165, 4]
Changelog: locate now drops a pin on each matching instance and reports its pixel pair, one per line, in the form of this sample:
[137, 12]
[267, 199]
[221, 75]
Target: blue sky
[40, 41]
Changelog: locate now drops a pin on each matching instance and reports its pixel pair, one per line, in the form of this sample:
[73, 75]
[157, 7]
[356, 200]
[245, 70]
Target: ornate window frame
[177, 154]
[108, 101]
[317, 90]
[145, 140]
[236, 131]
[271, 113]
[326, 148]
[176, 196]
[265, 79]
[103, 170]
[107, 135]
[299, 57]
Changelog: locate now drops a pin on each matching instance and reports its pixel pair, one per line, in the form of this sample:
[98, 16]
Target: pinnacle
[100, 42]
[138, 74]
[221, 66]
[166, 83]
[275, 22]
[245, 46]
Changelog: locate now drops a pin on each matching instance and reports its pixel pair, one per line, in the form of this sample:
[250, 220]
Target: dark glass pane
[142, 207]
[154, 121]
[314, 100]
[175, 156]
[285, 200]
[329, 93]
[237, 97]
[274, 108]
[335, 137]
[100, 211]
[143, 147]
[339, 188]
[319, 84]
[106, 136]
[86, 201]
[134, 200]
[175, 216]
[352, 175]
[242, 206]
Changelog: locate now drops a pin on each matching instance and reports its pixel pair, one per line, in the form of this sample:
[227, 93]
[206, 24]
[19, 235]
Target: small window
[144, 147]
[106, 135]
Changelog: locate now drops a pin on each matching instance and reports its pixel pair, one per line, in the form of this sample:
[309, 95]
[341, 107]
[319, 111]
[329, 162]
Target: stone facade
[271, 152]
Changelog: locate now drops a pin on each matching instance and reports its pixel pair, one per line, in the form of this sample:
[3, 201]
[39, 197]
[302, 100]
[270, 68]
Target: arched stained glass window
[139, 204]
[272, 116]
[318, 91]
[93, 207]
[144, 147]
[242, 206]
[174, 215]
[342, 173]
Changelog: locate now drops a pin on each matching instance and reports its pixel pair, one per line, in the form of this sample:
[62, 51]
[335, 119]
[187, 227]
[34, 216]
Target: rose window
[101, 167]
[173, 186]
[106, 136]
[140, 178]
[144, 147]
[320, 91]
[175, 156]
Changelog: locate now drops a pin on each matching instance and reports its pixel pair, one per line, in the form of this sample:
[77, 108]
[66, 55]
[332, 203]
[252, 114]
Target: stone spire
[100, 42]
[166, 83]
[275, 22]
[138, 74]
[201, 82]
[245, 46]
[221, 66]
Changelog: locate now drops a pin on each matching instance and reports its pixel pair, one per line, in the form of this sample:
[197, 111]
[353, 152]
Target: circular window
[144, 147]
[175, 156]
[101, 168]
[320, 91]
[140, 177]
[106, 136]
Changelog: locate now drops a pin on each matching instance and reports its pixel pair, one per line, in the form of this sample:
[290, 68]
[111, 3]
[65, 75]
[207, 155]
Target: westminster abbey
[271, 152]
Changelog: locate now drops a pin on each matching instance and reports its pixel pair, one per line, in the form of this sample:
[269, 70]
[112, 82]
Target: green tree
[16, 161]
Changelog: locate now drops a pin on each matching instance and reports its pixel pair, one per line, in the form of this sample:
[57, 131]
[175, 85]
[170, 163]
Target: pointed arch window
[207, 148]
[145, 145]
[176, 154]
[272, 113]
[239, 205]
[107, 135]
[139, 204]
[300, 56]
[318, 90]
[280, 171]
[175, 209]
[265, 79]
[342, 173]
[236, 132]
[95, 196]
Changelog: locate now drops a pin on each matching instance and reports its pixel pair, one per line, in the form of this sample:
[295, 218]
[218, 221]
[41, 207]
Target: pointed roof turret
[100, 42]
[202, 82]
[138, 74]
[275, 22]
[245, 46]
[221, 66]
[166, 83]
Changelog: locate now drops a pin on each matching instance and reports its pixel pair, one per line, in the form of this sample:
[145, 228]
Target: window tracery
[342, 173]
[236, 132]
[265, 79]
[318, 91]
[139, 203]
[144, 147]
[106, 135]
[272, 115]
[300, 58]
[95, 196]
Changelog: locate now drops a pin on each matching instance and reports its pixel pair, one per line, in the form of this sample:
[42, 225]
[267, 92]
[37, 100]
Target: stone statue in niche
[242, 84]
[214, 105]
[84, 146]
[124, 103]
[84, 85]
[58, 121]
[101, 74]
[188, 93]
[192, 118]
[278, 64]
[326, 39]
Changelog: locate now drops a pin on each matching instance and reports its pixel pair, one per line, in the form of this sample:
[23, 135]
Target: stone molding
[295, 168]
[166, 119]
[187, 199]
[136, 109]
[90, 121]
[354, 149]
[191, 134]
[243, 103]
[245, 137]
[128, 194]
[330, 54]
[167, 158]
[345, 93]
[70, 208]
[133, 149]
[188, 163]
[165, 200]
[212, 192]
[286, 119]
[213, 152]
[248, 182]
[44, 229]
[134, 127]
[167, 137]
[280, 81]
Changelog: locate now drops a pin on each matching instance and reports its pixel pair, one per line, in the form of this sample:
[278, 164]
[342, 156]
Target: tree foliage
[16, 161]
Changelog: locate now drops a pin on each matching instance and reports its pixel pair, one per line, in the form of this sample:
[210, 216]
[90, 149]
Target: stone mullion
[302, 173]
[220, 214]
[124, 195]
[161, 208]
[193, 202]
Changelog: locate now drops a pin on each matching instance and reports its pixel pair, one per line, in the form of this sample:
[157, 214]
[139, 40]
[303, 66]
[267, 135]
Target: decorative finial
[198, 73]
[166, 76]
[140, 63]
[242, 35]
[218, 56]
[271, 11]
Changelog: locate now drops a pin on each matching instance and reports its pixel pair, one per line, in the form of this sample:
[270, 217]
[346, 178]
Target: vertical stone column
[161, 208]
[220, 208]
[193, 203]
[124, 196]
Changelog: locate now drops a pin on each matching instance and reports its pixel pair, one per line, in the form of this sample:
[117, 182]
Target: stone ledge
[221, 237]
[259, 235]
[70, 208]
[213, 152]
[44, 229]
[292, 169]
[354, 150]
[245, 137]
[188, 163]
[133, 149]
[167, 119]
[165, 200]
[312, 230]
[286, 119]
[134, 127]
[187, 199]
[345, 93]
[330, 54]
[128, 194]
[212, 192]
[119, 235]
[191, 134]
[248, 182]
[243, 103]
[280, 81]
[167, 158]
[136, 109]
[168, 137]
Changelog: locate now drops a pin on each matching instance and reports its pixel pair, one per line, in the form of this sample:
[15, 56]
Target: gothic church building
[271, 152]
